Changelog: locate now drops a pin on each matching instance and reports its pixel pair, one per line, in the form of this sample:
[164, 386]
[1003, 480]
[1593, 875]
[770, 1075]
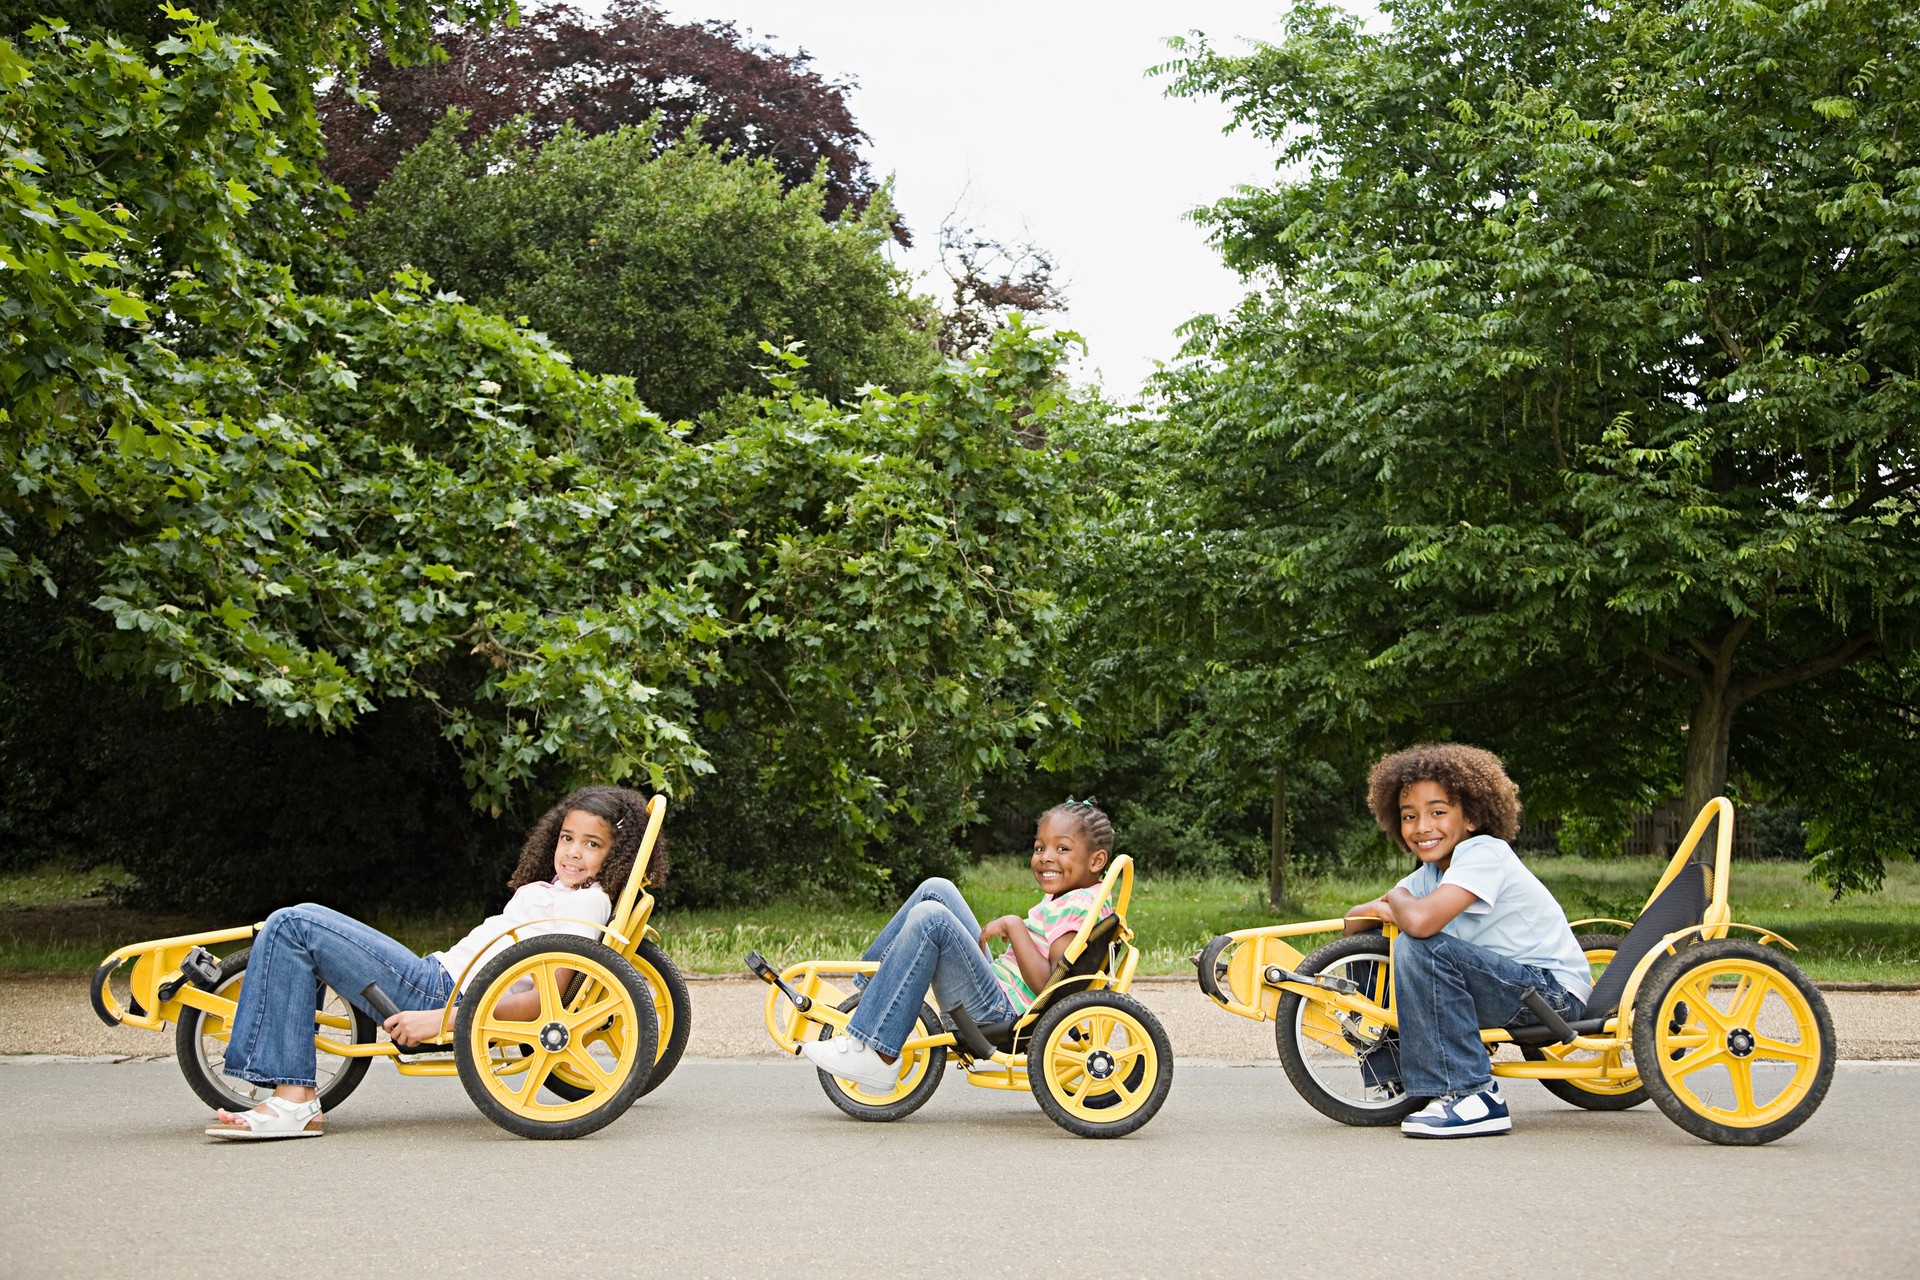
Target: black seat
[1682, 903]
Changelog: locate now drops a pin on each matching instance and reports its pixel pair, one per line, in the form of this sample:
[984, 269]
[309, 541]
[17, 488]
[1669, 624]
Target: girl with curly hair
[574, 863]
[1477, 929]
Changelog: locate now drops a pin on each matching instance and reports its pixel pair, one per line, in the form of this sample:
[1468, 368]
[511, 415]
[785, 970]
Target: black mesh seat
[1681, 904]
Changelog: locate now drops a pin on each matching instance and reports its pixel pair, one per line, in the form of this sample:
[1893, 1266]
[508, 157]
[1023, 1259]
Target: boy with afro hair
[1477, 929]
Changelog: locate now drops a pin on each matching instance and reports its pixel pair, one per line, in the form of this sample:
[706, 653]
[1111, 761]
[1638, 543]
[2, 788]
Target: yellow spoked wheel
[1100, 1064]
[1736, 1046]
[200, 1046]
[1622, 1088]
[1346, 1066]
[672, 1011]
[919, 1076]
[601, 1033]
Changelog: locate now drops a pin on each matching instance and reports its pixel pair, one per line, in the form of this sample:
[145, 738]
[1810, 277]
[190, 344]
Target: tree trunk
[1708, 734]
[1282, 848]
[1711, 729]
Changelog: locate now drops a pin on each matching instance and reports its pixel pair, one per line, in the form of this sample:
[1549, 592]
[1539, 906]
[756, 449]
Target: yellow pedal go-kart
[1726, 1035]
[608, 1035]
[1096, 1059]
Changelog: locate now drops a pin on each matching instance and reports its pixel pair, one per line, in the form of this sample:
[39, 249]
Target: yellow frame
[1248, 992]
[811, 979]
[157, 963]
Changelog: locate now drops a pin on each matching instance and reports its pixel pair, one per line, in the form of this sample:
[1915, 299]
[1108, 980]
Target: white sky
[1040, 115]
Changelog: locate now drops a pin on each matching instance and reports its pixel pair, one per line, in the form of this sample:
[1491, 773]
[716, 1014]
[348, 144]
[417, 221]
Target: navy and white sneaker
[1467, 1115]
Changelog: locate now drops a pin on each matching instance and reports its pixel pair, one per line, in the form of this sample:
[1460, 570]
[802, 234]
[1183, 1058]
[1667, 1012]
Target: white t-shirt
[558, 906]
[1512, 914]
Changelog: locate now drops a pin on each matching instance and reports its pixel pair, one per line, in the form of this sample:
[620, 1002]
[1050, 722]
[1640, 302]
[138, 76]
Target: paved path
[51, 1016]
[741, 1168]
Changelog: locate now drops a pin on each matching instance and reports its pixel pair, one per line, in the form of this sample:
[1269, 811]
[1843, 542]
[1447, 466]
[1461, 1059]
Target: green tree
[669, 265]
[1585, 344]
[325, 510]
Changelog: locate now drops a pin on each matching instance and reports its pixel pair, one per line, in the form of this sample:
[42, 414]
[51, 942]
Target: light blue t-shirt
[1511, 914]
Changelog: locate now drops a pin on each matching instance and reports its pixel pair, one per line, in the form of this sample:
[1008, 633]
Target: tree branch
[1872, 497]
[1670, 664]
[1747, 690]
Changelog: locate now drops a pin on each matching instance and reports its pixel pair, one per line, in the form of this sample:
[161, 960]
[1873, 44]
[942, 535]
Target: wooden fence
[1655, 834]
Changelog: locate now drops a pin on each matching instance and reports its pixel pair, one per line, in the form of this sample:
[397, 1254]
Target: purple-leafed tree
[628, 65]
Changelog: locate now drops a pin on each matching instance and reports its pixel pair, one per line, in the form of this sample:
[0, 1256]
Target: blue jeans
[932, 941]
[297, 952]
[1445, 991]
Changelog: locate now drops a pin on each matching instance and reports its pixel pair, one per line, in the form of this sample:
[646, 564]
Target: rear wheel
[671, 1006]
[200, 1046]
[600, 1032]
[1738, 1046]
[1346, 1066]
[1100, 1064]
[1622, 1089]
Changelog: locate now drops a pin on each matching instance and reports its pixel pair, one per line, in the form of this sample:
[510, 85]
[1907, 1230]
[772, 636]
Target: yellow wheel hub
[1101, 1064]
[590, 1039]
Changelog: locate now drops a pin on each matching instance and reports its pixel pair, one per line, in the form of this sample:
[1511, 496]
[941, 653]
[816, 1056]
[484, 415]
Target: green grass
[54, 920]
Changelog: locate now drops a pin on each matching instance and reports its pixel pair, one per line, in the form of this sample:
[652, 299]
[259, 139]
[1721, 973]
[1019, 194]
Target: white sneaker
[1469, 1115]
[851, 1061]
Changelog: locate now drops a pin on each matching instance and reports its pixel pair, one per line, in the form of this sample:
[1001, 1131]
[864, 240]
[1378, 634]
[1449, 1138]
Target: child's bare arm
[416, 1026]
[1424, 917]
[1034, 964]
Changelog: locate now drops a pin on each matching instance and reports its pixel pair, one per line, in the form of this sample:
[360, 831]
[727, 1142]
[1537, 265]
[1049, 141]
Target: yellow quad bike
[605, 1036]
[1726, 1035]
[1096, 1059]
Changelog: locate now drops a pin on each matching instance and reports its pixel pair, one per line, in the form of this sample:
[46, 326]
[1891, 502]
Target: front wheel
[1100, 1064]
[1346, 1066]
[599, 1031]
[200, 1046]
[1736, 1046]
[919, 1076]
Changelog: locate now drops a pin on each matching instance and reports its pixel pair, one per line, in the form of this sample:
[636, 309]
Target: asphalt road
[742, 1168]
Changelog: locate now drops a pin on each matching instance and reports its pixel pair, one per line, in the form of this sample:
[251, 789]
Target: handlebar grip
[379, 1001]
[1549, 1016]
[104, 1006]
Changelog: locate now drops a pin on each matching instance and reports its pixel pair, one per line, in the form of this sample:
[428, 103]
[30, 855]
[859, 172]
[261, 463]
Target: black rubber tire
[194, 1052]
[634, 1019]
[1299, 1061]
[1579, 1093]
[850, 1099]
[668, 987]
[1155, 1059]
[1673, 985]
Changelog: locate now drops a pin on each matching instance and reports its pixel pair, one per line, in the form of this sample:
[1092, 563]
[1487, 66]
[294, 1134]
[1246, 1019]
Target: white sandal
[283, 1119]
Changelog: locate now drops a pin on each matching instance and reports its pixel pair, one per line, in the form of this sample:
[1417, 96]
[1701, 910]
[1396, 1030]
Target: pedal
[1275, 975]
[200, 967]
[759, 968]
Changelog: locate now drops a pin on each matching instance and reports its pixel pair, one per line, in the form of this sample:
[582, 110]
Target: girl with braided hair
[935, 941]
[574, 863]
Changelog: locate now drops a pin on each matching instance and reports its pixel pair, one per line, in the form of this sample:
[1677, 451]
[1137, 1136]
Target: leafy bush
[667, 265]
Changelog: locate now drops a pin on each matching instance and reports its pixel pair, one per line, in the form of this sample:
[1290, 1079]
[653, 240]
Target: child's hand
[1365, 917]
[1000, 928]
[414, 1026]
